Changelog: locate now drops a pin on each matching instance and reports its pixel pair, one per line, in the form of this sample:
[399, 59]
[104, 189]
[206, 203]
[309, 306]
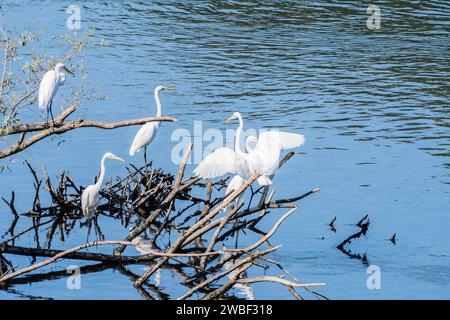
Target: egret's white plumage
[49, 85]
[218, 163]
[237, 182]
[226, 160]
[90, 197]
[148, 131]
[265, 155]
[269, 147]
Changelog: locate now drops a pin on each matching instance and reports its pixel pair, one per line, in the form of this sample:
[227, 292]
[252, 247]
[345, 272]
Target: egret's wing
[269, 146]
[47, 88]
[216, 164]
[143, 137]
[280, 139]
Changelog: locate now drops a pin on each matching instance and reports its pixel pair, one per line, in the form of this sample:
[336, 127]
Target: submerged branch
[167, 224]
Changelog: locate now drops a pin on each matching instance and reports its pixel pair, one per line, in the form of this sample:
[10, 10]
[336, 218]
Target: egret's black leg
[47, 115]
[145, 156]
[51, 113]
[88, 229]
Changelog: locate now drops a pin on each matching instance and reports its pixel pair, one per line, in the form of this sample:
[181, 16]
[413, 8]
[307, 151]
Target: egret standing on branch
[148, 131]
[91, 197]
[237, 182]
[265, 155]
[49, 86]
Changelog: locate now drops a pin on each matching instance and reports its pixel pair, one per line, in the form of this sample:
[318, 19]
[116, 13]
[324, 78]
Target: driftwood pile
[174, 222]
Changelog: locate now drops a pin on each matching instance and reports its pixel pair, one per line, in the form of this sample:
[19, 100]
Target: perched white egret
[90, 197]
[148, 131]
[237, 182]
[49, 86]
[265, 155]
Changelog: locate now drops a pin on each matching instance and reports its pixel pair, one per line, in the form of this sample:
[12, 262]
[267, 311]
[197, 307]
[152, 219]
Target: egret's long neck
[99, 182]
[158, 103]
[237, 143]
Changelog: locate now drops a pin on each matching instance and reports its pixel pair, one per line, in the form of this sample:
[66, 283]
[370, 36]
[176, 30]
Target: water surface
[373, 105]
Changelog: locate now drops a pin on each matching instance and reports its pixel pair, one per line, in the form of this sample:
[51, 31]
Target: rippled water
[373, 105]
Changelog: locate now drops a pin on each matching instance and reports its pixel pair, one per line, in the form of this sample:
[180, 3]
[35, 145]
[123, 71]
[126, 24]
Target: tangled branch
[168, 225]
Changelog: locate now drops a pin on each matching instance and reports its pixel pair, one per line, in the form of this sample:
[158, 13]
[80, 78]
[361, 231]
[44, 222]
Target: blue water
[373, 106]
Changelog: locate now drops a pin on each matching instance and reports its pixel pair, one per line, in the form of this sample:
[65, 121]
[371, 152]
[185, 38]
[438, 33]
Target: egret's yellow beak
[168, 88]
[231, 118]
[117, 158]
[68, 70]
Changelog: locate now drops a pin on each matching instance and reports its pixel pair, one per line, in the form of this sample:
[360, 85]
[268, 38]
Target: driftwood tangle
[175, 222]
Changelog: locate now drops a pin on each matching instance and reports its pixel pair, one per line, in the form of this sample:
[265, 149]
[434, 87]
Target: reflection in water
[145, 246]
[242, 289]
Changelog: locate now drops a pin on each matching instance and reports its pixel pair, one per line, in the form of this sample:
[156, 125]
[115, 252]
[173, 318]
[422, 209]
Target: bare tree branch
[59, 127]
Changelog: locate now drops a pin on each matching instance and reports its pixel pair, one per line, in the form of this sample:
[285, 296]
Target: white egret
[91, 197]
[148, 131]
[49, 86]
[265, 155]
[236, 182]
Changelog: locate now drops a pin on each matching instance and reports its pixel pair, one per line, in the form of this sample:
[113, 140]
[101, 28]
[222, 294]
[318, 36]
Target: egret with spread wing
[49, 86]
[148, 131]
[237, 182]
[265, 155]
[91, 197]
